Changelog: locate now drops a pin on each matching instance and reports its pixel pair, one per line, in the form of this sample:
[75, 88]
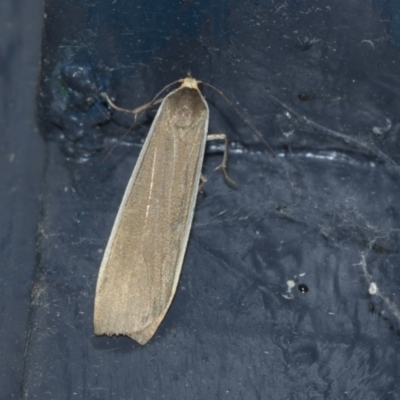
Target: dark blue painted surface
[320, 83]
[22, 159]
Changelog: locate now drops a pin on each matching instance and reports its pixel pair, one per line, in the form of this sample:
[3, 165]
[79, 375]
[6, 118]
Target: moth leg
[222, 136]
[203, 180]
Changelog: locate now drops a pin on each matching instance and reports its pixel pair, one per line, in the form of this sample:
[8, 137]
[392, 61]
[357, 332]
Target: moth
[143, 259]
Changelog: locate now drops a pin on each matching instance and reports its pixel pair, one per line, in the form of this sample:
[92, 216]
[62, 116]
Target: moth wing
[143, 259]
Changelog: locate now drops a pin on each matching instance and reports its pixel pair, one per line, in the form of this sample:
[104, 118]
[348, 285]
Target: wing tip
[141, 337]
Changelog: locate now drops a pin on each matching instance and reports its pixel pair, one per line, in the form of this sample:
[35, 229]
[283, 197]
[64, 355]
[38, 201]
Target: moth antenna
[136, 111]
[155, 98]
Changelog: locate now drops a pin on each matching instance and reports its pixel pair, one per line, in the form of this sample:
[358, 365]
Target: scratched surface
[290, 286]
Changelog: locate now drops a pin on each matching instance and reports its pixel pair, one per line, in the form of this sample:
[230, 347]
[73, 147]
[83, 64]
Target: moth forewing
[143, 259]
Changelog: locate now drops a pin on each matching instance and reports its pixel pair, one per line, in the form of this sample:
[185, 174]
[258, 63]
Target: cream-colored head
[190, 83]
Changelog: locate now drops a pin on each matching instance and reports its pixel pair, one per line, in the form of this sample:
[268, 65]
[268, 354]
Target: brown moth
[143, 259]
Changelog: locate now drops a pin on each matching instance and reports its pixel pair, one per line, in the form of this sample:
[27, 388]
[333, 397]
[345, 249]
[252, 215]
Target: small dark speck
[371, 307]
[303, 97]
[304, 44]
[379, 248]
[303, 288]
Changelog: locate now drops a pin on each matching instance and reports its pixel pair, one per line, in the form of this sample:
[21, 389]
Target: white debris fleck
[290, 285]
[373, 288]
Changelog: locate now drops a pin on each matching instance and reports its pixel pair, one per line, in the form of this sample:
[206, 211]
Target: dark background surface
[22, 160]
[320, 82]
